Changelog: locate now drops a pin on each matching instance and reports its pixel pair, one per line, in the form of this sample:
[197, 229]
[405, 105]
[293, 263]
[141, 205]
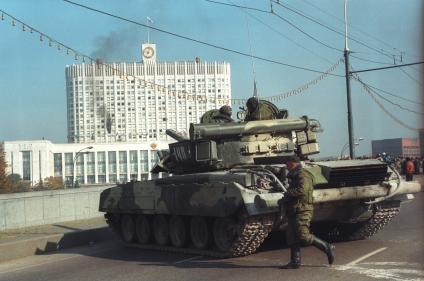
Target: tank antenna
[255, 86]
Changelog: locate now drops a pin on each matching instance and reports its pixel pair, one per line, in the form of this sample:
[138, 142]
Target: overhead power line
[244, 10]
[387, 67]
[353, 27]
[79, 55]
[115, 71]
[281, 18]
[385, 110]
[198, 41]
[329, 27]
[411, 77]
[393, 95]
[368, 60]
[239, 6]
[305, 33]
[396, 104]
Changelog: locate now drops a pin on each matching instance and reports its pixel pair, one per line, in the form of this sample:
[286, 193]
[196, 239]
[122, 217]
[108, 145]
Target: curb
[51, 243]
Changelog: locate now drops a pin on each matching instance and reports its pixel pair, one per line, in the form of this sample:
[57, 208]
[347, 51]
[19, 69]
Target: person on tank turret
[298, 206]
[253, 112]
[224, 115]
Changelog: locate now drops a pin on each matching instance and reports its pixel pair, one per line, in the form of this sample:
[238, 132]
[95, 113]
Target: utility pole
[349, 102]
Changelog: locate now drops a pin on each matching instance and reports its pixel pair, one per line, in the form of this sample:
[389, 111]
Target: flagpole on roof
[149, 22]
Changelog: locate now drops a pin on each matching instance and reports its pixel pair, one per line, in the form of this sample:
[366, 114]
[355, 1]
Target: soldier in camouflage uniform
[298, 206]
[223, 115]
[253, 112]
[260, 110]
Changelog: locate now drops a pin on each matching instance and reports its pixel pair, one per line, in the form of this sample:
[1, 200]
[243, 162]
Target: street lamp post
[73, 164]
[346, 145]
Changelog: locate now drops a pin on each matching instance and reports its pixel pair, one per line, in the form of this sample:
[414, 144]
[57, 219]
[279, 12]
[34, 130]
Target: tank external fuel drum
[214, 131]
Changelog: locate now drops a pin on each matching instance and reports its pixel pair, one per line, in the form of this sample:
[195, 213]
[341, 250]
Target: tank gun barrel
[173, 134]
[214, 131]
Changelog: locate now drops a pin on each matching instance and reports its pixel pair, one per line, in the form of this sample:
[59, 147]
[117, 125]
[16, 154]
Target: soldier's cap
[292, 158]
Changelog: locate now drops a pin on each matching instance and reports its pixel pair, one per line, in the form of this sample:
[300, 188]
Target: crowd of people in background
[409, 166]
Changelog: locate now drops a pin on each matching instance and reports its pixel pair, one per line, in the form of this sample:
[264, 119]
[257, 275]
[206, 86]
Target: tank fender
[259, 204]
[362, 192]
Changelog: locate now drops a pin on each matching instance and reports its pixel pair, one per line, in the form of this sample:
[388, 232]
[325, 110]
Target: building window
[112, 164]
[112, 178]
[101, 178]
[133, 164]
[26, 165]
[79, 180]
[91, 179]
[57, 164]
[90, 163]
[123, 162]
[69, 164]
[101, 163]
[79, 166]
[144, 167]
[153, 158]
[123, 178]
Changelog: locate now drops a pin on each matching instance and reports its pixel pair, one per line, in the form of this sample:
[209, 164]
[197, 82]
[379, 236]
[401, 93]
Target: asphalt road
[396, 253]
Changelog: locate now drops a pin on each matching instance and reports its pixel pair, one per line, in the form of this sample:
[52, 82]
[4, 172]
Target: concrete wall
[46, 207]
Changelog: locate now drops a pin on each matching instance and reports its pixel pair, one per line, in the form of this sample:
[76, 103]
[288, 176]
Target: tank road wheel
[178, 231]
[128, 229]
[224, 233]
[143, 229]
[199, 232]
[161, 229]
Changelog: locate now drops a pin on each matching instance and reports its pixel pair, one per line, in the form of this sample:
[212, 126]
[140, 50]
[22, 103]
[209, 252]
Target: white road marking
[379, 270]
[367, 256]
[410, 196]
[189, 259]
[395, 263]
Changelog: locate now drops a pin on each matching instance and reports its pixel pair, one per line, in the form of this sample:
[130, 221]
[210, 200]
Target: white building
[137, 102]
[89, 163]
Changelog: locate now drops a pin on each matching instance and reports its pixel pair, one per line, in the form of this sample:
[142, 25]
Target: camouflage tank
[227, 183]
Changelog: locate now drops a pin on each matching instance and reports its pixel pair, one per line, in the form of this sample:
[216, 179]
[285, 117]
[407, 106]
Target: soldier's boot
[294, 258]
[327, 248]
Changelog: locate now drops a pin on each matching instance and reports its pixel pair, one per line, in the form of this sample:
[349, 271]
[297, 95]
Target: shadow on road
[115, 250]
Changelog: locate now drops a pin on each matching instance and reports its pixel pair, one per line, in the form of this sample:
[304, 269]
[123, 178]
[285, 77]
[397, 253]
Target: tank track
[252, 234]
[363, 230]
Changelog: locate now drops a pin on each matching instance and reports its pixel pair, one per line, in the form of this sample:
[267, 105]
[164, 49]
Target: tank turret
[225, 145]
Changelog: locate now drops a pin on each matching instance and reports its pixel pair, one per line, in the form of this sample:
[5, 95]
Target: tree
[16, 184]
[5, 186]
[53, 182]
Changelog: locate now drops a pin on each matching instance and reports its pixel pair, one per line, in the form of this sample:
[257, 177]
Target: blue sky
[32, 78]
